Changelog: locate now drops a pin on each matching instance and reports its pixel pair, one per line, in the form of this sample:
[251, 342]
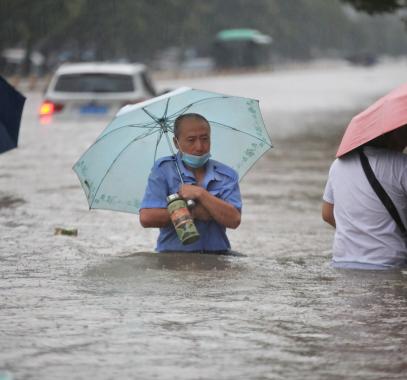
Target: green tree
[32, 23]
[137, 30]
[377, 6]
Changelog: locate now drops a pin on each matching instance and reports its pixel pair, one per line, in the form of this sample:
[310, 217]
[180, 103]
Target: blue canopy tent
[240, 48]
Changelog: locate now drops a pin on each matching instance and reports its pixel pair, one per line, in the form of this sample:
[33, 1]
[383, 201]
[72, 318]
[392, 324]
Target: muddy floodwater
[103, 305]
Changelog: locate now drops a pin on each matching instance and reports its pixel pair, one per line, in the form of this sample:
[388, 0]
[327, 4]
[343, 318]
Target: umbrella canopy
[115, 169]
[385, 115]
[11, 108]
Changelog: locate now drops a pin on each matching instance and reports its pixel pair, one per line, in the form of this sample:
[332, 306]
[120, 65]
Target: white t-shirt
[365, 231]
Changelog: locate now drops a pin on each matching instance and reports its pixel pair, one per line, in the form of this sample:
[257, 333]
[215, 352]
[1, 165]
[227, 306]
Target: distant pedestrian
[365, 198]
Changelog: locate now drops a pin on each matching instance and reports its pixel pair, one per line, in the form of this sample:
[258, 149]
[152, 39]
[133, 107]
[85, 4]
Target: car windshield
[90, 82]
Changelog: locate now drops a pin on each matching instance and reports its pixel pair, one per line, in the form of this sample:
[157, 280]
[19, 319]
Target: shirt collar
[211, 173]
[183, 169]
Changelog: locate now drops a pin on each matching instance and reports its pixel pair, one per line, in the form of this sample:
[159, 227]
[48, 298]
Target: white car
[89, 90]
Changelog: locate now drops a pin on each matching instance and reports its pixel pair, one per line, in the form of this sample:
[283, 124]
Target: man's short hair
[178, 120]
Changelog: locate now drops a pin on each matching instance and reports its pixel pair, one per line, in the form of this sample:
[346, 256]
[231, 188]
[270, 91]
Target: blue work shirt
[220, 180]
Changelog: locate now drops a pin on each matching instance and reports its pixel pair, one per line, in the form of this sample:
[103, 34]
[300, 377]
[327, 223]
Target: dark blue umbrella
[11, 108]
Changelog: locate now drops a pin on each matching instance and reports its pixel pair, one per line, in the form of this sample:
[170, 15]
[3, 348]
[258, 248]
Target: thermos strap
[381, 193]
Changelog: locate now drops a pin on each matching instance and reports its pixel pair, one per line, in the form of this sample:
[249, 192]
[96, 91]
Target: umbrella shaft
[190, 202]
[173, 153]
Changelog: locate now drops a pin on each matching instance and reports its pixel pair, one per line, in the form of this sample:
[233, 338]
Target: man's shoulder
[163, 161]
[397, 165]
[337, 162]
[400, 157]
[224, 169]
[390, 159]
[386, 154]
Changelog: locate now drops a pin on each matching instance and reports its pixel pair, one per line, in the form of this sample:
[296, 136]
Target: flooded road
[102, 305]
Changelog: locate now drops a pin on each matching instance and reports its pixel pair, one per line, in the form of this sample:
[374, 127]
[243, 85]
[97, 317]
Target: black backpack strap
[381, 193]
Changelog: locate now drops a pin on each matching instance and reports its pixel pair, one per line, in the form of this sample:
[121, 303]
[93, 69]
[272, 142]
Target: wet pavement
[103, 305]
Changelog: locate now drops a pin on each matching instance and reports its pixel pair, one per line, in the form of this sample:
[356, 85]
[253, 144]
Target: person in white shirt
[366, 235]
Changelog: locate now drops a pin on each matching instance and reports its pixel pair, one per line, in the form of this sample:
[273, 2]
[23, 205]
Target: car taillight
[48, 108]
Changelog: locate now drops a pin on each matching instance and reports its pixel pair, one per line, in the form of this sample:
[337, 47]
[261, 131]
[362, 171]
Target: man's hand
[191, 192]
[214, 208]
[328, 213]
[195, 192]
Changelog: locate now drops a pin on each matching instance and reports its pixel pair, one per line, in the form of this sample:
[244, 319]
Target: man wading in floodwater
[365, 197]
[212, 185]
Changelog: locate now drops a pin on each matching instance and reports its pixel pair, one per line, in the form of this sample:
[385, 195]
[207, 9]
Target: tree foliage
[138, 30]
[34, 23]
[377, 6]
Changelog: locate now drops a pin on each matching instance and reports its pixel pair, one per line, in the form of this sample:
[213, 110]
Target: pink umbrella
[385, 115]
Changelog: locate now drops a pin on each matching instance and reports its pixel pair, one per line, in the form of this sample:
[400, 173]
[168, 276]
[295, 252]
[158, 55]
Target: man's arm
[328, 213]
[154, 217]
[222, 212]
[159, 217]
[200, 212]
[153, 210]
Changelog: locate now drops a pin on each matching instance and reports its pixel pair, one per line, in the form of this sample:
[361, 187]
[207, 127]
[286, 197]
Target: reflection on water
[99, 305]
[130, 265]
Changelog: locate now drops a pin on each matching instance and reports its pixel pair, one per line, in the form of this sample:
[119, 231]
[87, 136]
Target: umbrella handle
[191, 203]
